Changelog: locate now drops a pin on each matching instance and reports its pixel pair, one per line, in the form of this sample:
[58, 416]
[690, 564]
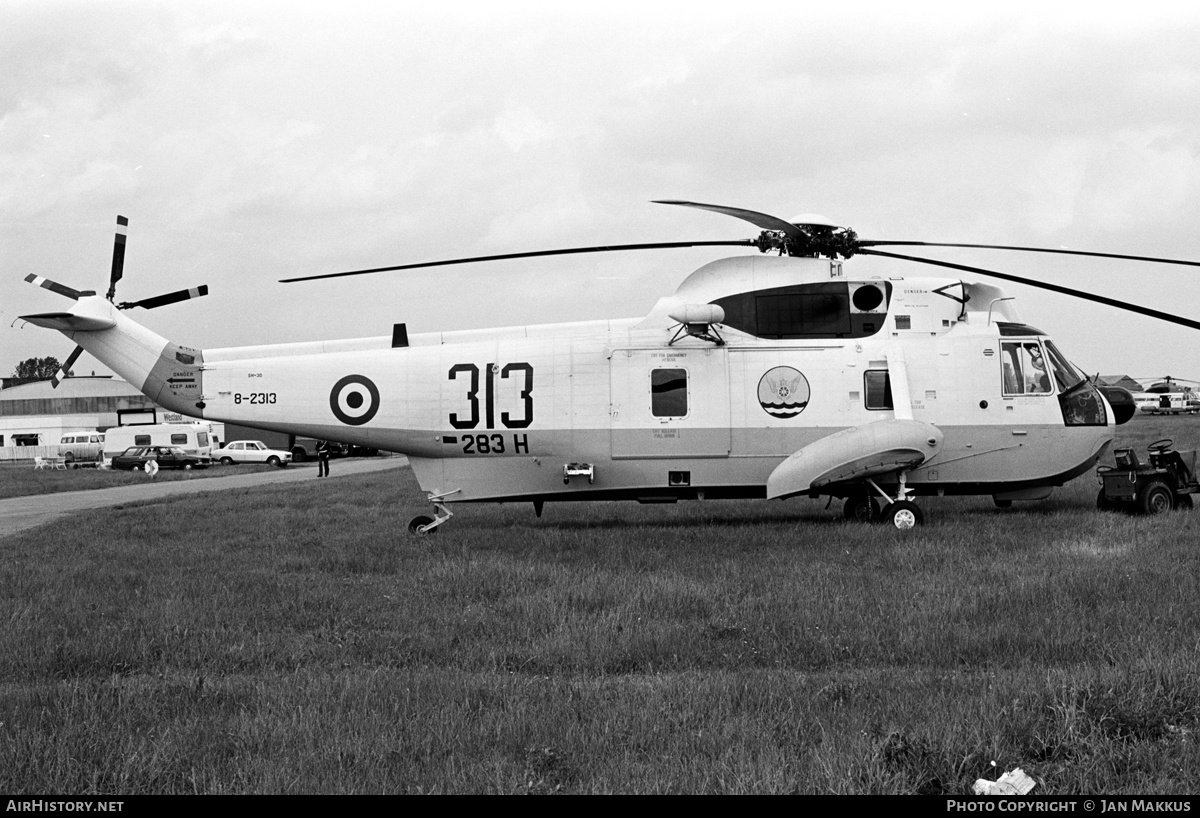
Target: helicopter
[763, 376]
[1168, 396]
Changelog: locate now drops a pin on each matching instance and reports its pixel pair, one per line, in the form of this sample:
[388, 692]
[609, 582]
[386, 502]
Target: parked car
[305, 448]
[168, 457]
[251, 451]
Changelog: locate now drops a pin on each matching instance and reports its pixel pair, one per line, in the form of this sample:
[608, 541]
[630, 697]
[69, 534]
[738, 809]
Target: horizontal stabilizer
[876, 449]
[69, 322]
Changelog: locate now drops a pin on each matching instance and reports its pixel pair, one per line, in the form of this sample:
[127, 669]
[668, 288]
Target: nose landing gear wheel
[860, 508]
[903, 514]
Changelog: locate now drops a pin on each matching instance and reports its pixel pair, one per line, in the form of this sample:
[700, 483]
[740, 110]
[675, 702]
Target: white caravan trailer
[193, 438]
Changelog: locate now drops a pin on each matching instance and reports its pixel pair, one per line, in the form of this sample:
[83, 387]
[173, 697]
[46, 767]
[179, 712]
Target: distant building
[1123, 381]
[36, 414]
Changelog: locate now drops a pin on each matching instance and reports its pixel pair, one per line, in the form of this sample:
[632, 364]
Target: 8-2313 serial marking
[254, 398]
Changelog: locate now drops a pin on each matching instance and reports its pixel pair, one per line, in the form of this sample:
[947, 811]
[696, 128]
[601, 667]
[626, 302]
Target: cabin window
[25, 440]
[1024, 368]
[178, 440]
[878, 389]
[202, 438]
[668, 393]
[141, 440]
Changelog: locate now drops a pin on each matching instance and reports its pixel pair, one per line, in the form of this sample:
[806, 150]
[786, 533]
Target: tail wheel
[417, 523]
[1156, 497]
[903, 514]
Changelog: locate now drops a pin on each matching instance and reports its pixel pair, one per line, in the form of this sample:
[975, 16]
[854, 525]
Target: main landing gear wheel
[903, 514]
[860, 508]
[417, 526]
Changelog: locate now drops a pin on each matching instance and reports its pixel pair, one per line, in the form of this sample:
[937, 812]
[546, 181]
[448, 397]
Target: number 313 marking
[471, 373]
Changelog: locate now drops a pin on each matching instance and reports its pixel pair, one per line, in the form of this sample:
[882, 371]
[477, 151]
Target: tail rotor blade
[118, 261]
[54, 286]
[164, 300]
[61, 375]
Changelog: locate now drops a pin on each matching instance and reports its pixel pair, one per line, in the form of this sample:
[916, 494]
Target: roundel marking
[354, 400]
[783, 392]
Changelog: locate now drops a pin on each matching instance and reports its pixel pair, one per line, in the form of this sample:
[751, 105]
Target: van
[81, 446]
[193, 438]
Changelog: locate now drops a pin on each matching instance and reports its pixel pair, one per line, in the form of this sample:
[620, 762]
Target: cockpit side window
[1024, 368]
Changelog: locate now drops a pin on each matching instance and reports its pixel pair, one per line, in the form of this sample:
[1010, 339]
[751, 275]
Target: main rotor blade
[118, 261]
[61, 375]
[164, 300]
[879, 243]
[764, 221]
[1099, 299]
[54, 286]
[535, 254]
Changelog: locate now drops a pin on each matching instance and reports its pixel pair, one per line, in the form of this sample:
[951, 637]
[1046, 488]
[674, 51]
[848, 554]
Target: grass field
[296, 639]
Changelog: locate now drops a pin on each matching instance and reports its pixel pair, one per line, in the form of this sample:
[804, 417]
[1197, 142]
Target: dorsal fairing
[783, 297]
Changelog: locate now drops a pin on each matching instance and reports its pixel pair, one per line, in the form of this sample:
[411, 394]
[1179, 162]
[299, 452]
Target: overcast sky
[251, 141]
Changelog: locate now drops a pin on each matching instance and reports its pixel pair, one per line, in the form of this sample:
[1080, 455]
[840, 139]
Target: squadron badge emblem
[783, 392]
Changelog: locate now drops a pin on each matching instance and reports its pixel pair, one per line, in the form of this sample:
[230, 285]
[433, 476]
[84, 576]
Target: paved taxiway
[20, 513]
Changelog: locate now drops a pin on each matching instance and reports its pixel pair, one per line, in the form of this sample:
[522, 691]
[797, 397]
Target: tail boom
[169, 374]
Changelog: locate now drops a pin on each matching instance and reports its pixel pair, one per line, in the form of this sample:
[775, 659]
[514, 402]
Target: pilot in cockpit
[1036, 379]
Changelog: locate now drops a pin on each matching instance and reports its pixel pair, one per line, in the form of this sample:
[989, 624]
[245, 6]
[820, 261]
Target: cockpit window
[1065, 375]
[1024, 367]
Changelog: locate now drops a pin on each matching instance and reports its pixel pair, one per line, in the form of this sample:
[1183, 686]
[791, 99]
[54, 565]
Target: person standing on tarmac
[322, 458]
